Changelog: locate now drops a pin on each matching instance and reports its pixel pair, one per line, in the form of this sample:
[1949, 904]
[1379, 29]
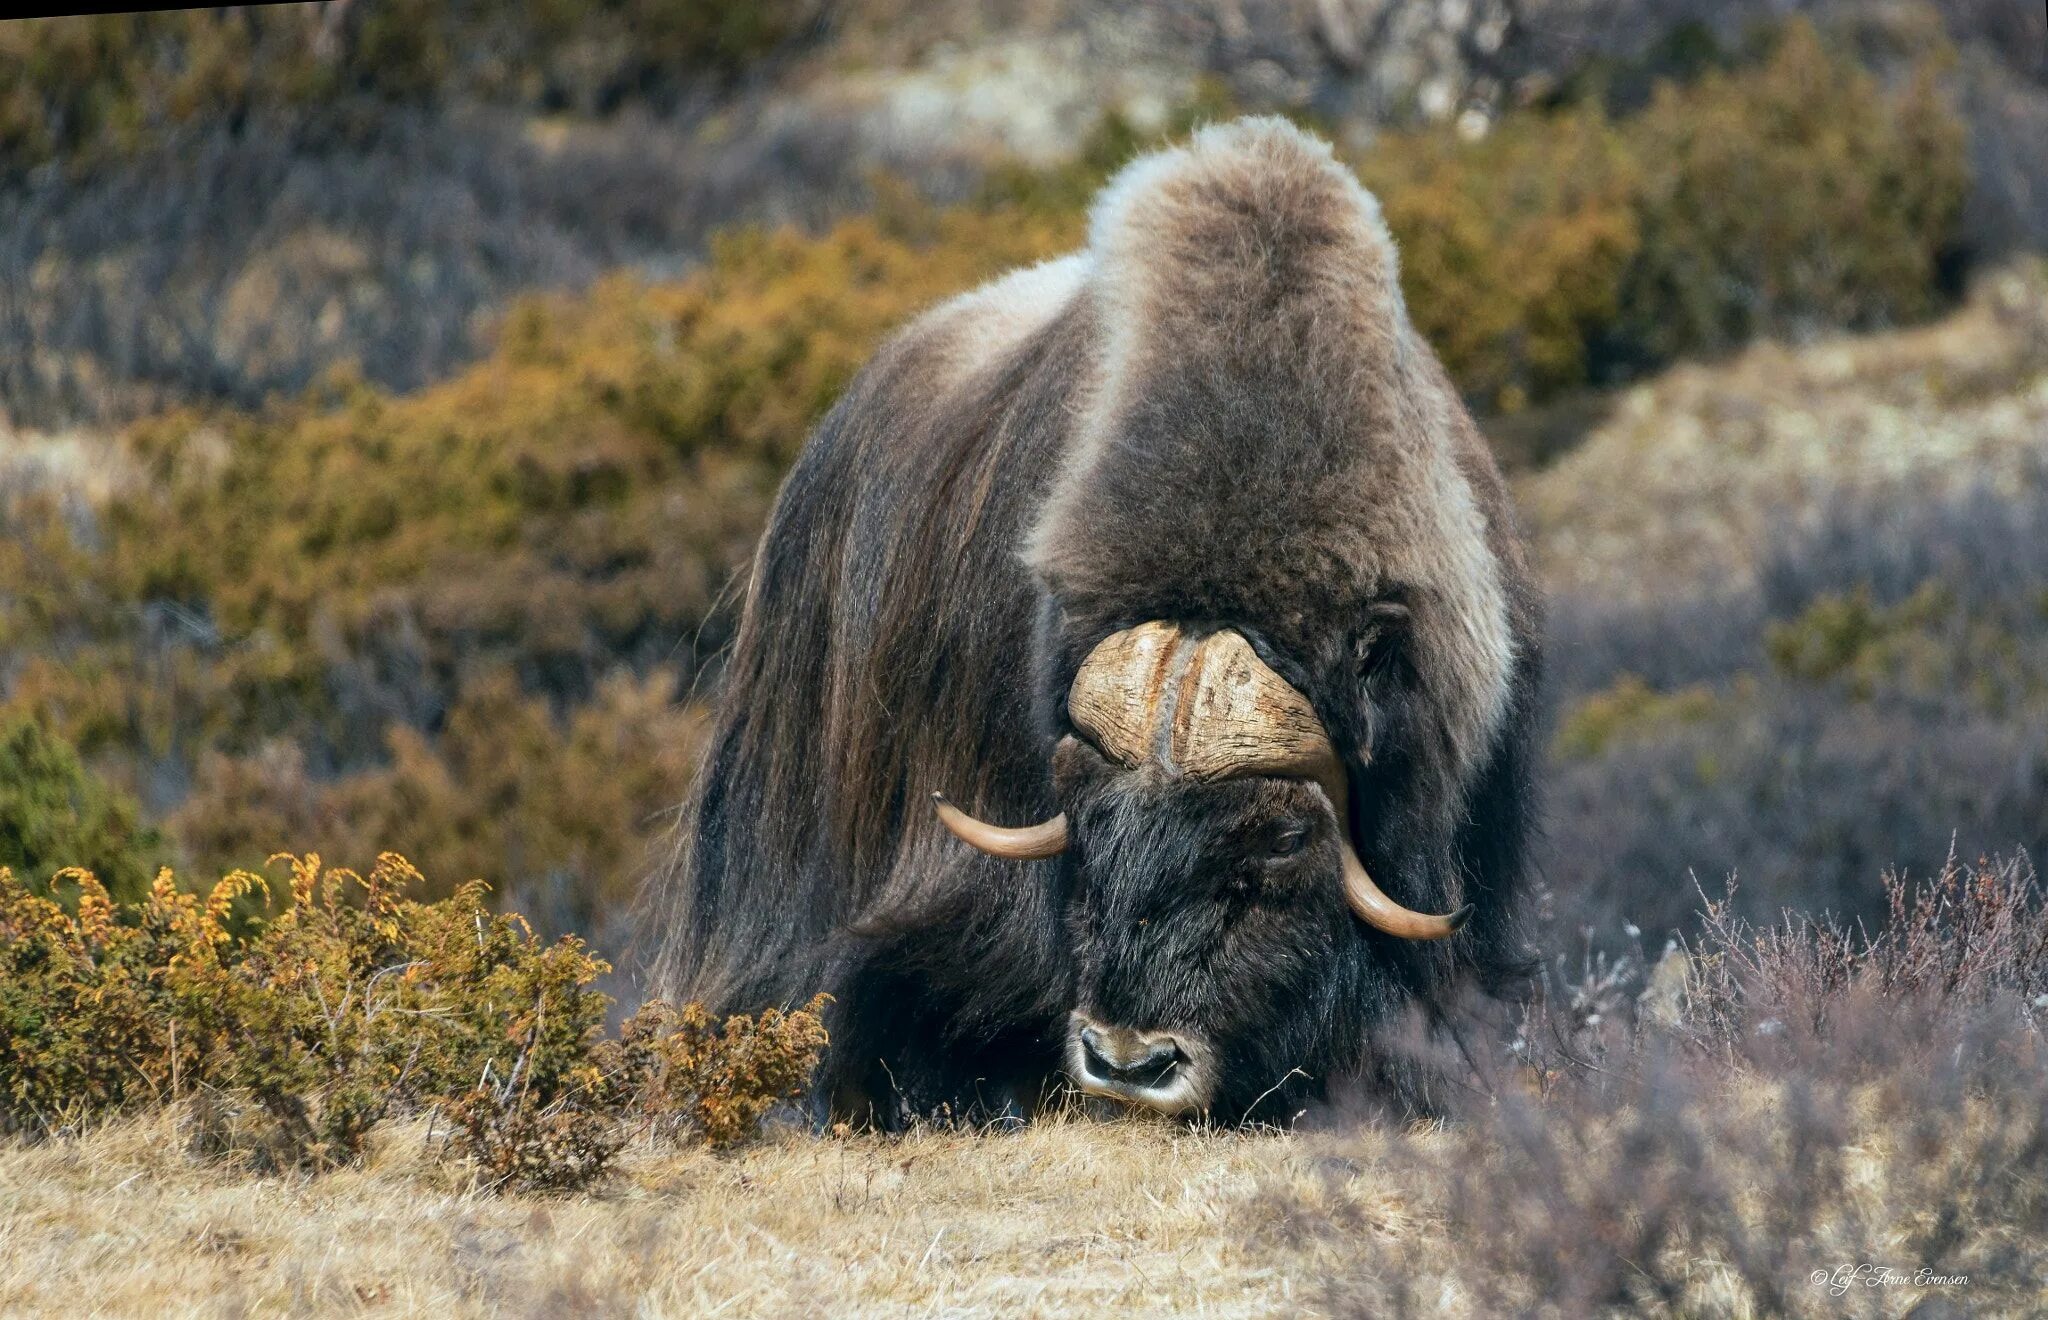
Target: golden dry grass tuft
[1067, 1217]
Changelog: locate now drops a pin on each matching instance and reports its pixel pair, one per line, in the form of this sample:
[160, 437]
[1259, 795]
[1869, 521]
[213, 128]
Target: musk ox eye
[1287, 840]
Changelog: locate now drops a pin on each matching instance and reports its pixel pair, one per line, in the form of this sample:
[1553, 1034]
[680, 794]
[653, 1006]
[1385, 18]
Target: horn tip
[1456, 921]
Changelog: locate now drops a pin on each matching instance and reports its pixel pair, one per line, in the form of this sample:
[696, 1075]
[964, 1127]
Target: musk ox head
[1285, 645]
[1219, 877]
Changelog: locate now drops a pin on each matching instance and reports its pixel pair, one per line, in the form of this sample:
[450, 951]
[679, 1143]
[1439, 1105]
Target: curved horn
[1025, 843]
[1368, 902]
[1236, 716]
[1372, 906]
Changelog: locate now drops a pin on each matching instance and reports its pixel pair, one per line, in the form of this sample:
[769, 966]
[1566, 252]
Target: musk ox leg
[900, 1054]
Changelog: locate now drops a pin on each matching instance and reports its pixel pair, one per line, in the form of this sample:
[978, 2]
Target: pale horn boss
[1207, 708]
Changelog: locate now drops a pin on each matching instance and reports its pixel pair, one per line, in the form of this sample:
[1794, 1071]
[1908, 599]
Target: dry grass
[1068, 1217]
[1785, 1100]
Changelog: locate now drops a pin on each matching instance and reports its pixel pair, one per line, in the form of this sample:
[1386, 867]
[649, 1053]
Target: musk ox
[1178, 569]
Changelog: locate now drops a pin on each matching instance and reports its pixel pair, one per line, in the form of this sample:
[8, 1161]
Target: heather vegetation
[1812, 642]
[1880, 698]
[1750, 1124]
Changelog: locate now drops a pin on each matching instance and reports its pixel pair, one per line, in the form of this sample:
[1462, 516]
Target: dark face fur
[1209, 933]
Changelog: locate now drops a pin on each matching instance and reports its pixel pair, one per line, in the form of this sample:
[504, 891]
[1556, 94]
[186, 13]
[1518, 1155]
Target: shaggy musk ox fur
[1216, 415]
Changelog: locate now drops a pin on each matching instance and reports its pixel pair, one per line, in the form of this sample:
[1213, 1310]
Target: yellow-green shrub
[1790, 196]
[1838, 633]
[54, 814]
[1513, 248]
[717, 1080]
[1926, 644]
[1628, 708]
[81, 1029]
[354, 1001]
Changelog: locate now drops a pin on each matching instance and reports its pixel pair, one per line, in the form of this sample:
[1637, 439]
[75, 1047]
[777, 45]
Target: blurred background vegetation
[391, 391]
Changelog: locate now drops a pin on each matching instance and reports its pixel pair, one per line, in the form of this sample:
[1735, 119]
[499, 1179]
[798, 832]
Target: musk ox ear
[1379, 646]
[1384, 628]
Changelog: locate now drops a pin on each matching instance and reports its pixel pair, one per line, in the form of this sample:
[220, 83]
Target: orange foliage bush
[458, 621]
[1513, 248]
[296, 1034]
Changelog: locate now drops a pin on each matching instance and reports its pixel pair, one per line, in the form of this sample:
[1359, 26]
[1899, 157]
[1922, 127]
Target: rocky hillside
[1696, 476]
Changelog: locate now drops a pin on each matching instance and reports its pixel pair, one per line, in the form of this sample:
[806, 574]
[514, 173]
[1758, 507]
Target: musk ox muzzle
[1206, 708]
[1161, 1070]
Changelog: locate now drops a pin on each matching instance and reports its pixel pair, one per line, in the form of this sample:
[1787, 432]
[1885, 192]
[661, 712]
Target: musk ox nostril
[1140, 1064]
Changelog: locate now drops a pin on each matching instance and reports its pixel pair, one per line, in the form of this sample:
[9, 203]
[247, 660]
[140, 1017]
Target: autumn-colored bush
[1513, 247]
[717, 1080]
[293, 1035]
[1790, 197]
[217, 205]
